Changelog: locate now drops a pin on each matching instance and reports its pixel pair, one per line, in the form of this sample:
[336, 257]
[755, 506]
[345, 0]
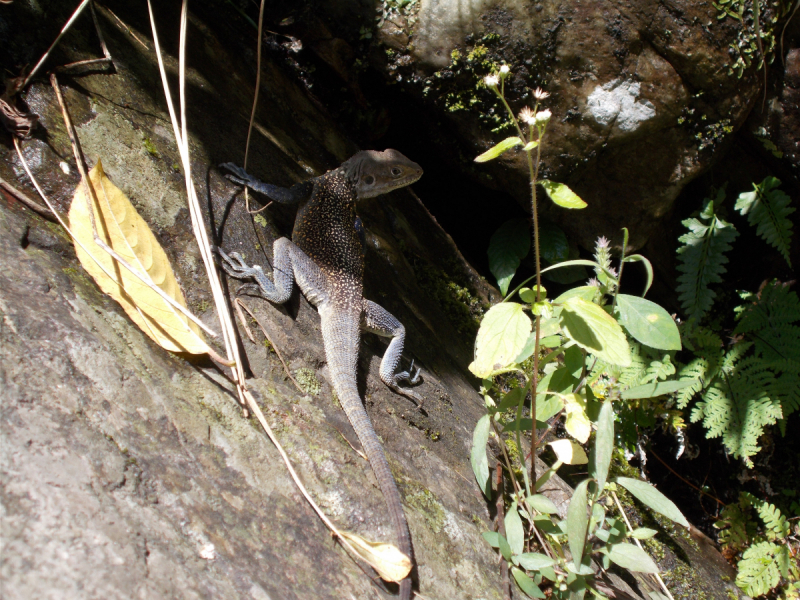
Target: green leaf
[508, 245]
[502, 335]
[478, 459]
[701, 258]
[604, 444]
[530, 146]
[573, 263]
[643, 533]
[515, 533]
[587, 292]
[577, 423]
[594, 330]
[648, 267]
[512, 399]
[492, 537]
[533, 561]
[631, 557]
[767, 209]
[652, 498]
[543, 504]
[529, 295]
[526, 584]
[657, 388]
[505, 549]
[578, 521]
[498, 149]
[553, 243]
[648, 323]
[561, 194]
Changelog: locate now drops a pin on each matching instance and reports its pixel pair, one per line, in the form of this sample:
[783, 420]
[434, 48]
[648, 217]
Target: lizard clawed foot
[407, 375]
[235, 266]
[413, 379]
[240, 176]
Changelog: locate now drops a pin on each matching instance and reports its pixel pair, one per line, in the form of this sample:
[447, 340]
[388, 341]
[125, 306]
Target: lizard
[325, 257]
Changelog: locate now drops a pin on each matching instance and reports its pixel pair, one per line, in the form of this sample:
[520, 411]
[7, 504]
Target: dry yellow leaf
[386, 559]
[121, 228]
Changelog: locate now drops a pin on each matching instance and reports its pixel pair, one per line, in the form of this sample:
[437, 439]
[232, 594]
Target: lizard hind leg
[380, 321]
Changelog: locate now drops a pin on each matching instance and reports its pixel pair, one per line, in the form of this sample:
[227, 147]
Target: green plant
[754, 383]
[767, 550]
[567, 346]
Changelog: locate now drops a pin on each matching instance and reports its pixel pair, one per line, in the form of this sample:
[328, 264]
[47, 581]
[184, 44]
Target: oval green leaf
[657, 388]
[648, 323]
[502, 335]
[508, 245]
[652, 498]
[643, 533]
[498, 149]
[561, 194]
[553, 243]
[526, 584]
[631, 557]
[604, 444]
[478, 459]
[578, 521]
[515, 533]
[543, 504]
[533, 561]
[594, 330]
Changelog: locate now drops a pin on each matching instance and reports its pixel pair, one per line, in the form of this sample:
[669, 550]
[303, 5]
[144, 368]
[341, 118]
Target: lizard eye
[369, 180]
[396, 172]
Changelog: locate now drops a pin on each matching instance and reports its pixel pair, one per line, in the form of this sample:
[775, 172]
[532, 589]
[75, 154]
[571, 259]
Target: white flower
[543, 117]
[491, 81]
[504, 71]
[602, 242]
[540, 94]
[527, 116]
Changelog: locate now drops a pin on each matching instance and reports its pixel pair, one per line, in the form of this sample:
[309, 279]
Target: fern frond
[735, 525]
[786, 388]
[758, 569]
[737, 407]
[660, 369]
[634, 374]
[696, 369]
[774, 306]
[702, 259]
[777, 526]
[767, 209]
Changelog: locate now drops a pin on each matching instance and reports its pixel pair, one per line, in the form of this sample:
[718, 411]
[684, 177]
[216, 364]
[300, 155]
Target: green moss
[426, 503]
[463, 309]
[259, 219]
[150, 147]
[308, 381]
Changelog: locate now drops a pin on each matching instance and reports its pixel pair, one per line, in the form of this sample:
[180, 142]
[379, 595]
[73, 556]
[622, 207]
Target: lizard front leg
[380, 321]
[290, 264]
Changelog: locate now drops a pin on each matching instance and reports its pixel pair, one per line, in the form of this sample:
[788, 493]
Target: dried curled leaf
[18, 123]
[121, 228]
[386, 559]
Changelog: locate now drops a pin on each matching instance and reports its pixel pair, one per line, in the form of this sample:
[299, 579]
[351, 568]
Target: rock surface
[127, 471]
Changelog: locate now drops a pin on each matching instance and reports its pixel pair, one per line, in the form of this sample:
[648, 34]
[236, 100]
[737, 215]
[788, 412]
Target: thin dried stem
[638, 543]
[42, 211]
[269, 339]
[253, 110]
[125, 26]
[501, 529]
[64, 29]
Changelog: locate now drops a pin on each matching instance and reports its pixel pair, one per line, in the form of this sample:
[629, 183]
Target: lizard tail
[341, 336]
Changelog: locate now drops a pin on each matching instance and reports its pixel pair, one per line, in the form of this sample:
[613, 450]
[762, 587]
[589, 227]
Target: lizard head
[375, 173]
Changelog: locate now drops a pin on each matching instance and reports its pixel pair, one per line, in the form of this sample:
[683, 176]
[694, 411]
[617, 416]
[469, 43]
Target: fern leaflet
[758, 569]
[767, 209]
[701, 257]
